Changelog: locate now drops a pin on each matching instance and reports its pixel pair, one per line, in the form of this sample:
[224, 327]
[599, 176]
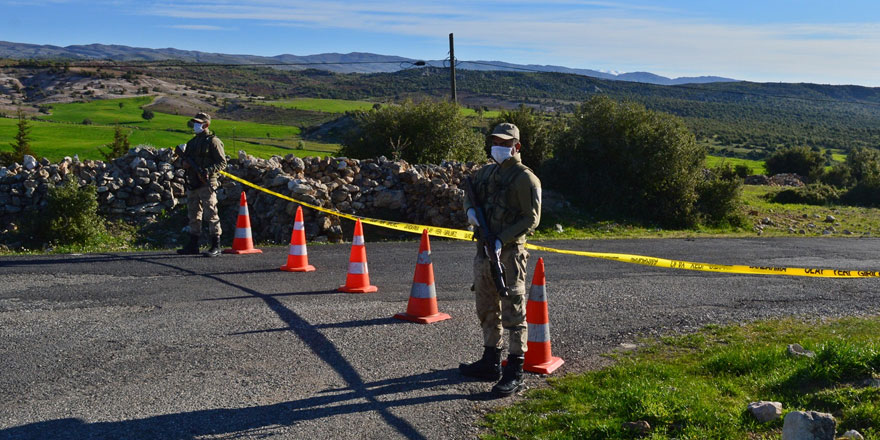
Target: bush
[86, 121]
[864, 193]
[802, 161]
[812, 194]
[147, 114]
[863, 164]
[427, 132]
[839, 176]
[71, 217]
[625, 159]
[533, 133]
[718, 197]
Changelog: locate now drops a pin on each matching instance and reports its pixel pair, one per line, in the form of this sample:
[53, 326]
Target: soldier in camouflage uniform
[510, 195]
[202, 158]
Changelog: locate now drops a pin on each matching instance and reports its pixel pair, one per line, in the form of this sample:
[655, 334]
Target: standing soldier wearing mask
[202, 158]
[510, 195]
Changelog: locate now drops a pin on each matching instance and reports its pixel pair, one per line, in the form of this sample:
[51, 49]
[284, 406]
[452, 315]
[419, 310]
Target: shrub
[426, 132]
[71, 216]
[863, 164]
[625, 159]
[533, 133]
[147, 114]
[742, 171]
[86, 121]
[838, 176]
[718, 197]
[812, 194]
[864, 193]
[798, 160]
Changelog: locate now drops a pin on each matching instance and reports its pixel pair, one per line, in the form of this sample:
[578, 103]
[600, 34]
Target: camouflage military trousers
[496, 313]
[199, 201]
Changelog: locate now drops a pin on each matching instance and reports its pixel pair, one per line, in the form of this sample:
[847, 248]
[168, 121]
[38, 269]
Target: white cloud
[197, 27]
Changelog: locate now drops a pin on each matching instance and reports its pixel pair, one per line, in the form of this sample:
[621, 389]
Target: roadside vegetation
[698, 386]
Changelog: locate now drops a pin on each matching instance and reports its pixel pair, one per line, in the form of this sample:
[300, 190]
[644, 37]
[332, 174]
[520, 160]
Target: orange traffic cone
[358, 278]
[422, 306]
[298, 257]
[243, 242]
[538, 357]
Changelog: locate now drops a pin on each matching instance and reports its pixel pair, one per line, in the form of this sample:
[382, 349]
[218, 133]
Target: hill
[355, 62]
[737, 119]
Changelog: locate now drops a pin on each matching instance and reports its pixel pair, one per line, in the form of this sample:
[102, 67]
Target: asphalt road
[155, 345]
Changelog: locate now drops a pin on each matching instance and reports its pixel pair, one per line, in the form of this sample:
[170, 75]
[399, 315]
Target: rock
[391, 199]
[29, 162]
[796, 351]
[853, 434]
[764, 411]
[640, 427]
[830, 219]
[559, 228]
[808, 425]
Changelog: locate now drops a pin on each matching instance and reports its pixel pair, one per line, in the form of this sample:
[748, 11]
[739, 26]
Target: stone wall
[146, 182]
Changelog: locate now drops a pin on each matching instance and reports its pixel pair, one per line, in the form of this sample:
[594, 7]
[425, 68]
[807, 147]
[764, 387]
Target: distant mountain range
[355, 62]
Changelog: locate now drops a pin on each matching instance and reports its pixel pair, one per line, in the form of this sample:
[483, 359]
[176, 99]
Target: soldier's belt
[460, 234]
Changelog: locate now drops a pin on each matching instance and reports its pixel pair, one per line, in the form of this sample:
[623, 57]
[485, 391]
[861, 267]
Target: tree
[533, 133]
[119, 146]
[802, 161]
[21, 146]
[147, 114]
[622, 159]
[426, 132]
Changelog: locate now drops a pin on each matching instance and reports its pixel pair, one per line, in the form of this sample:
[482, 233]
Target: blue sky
[824, 42]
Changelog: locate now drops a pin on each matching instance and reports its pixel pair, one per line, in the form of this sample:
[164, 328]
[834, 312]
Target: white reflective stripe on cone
[358, 240]
[297, 249]
[357, 268]
[242, 210]
[297, 226]
[538, 293]
[424, 257]
[243, 233]
[422, 290]
[539, 332]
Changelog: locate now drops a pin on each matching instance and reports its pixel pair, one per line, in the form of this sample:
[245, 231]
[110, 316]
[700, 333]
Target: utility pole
[452, 67]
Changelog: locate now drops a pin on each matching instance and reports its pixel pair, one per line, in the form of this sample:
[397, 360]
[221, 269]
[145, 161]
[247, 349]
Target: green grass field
[322, 105]
[698, 386]
[61, 133]
[755, 166]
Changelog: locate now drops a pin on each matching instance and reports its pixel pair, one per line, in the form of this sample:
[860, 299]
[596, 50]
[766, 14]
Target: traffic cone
[538, 357]
[358, 278]
[243, 242]
[422, 306]
[298, 257]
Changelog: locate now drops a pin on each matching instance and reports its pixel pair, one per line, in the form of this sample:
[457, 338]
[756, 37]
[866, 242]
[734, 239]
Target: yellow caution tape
[459, 234]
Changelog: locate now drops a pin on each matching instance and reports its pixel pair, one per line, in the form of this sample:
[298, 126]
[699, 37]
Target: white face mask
[501, 153]
[197, 128]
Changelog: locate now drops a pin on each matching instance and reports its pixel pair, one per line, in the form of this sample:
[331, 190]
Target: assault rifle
[203, 176]
[488, 240]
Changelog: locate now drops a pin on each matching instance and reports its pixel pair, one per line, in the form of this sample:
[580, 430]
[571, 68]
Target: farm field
[62, 132]
[755, 166]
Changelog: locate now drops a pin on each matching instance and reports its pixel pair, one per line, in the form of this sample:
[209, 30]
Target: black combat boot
[191, 248]
[215, 247]
[511, 381]
[488, 368]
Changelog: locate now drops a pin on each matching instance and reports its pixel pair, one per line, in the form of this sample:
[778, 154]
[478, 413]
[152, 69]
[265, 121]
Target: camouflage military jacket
[206, 150]
[510, 195]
